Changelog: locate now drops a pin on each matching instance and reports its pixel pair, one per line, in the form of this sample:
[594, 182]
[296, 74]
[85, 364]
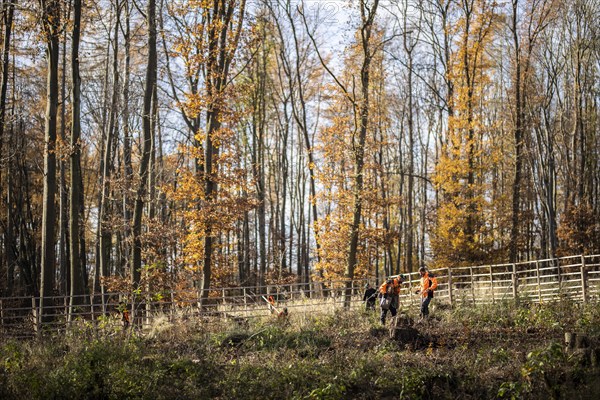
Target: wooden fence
[576, 278]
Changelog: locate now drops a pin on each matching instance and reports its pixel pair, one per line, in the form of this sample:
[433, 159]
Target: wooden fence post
[411, 289]
[472, 285]
[66, 308]
[584, 290]
[492, 285]
[36, 316]
[172, 306]
[515, 282]
[539, 283]
[450, 286]
[93, 317]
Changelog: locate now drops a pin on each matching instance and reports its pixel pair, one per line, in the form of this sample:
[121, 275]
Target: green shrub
[494, 351]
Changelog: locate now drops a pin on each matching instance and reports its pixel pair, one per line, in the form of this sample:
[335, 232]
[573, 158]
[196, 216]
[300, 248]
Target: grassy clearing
[482, 352]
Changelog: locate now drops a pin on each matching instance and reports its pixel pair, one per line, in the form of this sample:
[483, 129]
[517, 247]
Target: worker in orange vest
[271, 301]
[389, 297]
[428, 285]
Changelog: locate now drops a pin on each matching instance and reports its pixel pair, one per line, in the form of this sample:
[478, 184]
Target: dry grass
[494, 351]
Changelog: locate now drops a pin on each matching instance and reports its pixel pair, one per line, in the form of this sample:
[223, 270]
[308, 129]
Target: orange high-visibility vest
[428, 283]
[395, 287]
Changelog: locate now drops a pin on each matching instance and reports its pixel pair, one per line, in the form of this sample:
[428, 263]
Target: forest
[198, 144]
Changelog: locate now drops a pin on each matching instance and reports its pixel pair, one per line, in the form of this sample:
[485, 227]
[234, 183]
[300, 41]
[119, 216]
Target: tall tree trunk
[8, 13]
[63, 224]
[210, 188]
[161, 198]
[409, 46]
[246, 243]
[300, 115]
[469, 82]
[51, 27]
[222, 44]
[367, 16]
[152, 168]
[105, 212]
[283, 206]
[11, 243]
[151, 71]
[518, 138]
[76, 232]
[12, 257]
[103, 128]
[258, 159]
[127, 165]
[401, 210]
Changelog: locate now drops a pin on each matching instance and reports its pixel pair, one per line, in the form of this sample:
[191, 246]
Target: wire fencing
[576, 278]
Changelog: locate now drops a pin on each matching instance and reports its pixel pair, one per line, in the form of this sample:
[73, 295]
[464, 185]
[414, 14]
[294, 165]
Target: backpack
[390, 287]
[430, 293]
[387, 301]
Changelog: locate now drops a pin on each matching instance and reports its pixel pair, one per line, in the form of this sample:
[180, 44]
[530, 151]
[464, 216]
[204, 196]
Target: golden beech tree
[579, 231]
[341, 191]
[461, 234]
[215, 192]
[337, 196]
[218, 216]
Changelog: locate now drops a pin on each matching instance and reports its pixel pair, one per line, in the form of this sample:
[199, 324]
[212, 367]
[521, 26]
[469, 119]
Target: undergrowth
[469, 352]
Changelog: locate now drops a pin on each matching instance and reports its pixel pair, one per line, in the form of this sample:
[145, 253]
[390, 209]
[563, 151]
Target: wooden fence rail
[576, 278]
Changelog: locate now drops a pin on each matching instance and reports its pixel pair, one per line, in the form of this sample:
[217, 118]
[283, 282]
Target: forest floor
[483, 352]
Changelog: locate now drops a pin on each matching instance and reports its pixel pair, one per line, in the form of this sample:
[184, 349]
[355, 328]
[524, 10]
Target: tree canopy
[200, 144]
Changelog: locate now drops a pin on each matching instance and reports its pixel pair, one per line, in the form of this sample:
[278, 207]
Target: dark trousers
[425, 306]
[370, 305]
[392, 310]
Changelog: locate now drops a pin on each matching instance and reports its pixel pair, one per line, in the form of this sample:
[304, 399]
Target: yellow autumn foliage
[462, 234]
